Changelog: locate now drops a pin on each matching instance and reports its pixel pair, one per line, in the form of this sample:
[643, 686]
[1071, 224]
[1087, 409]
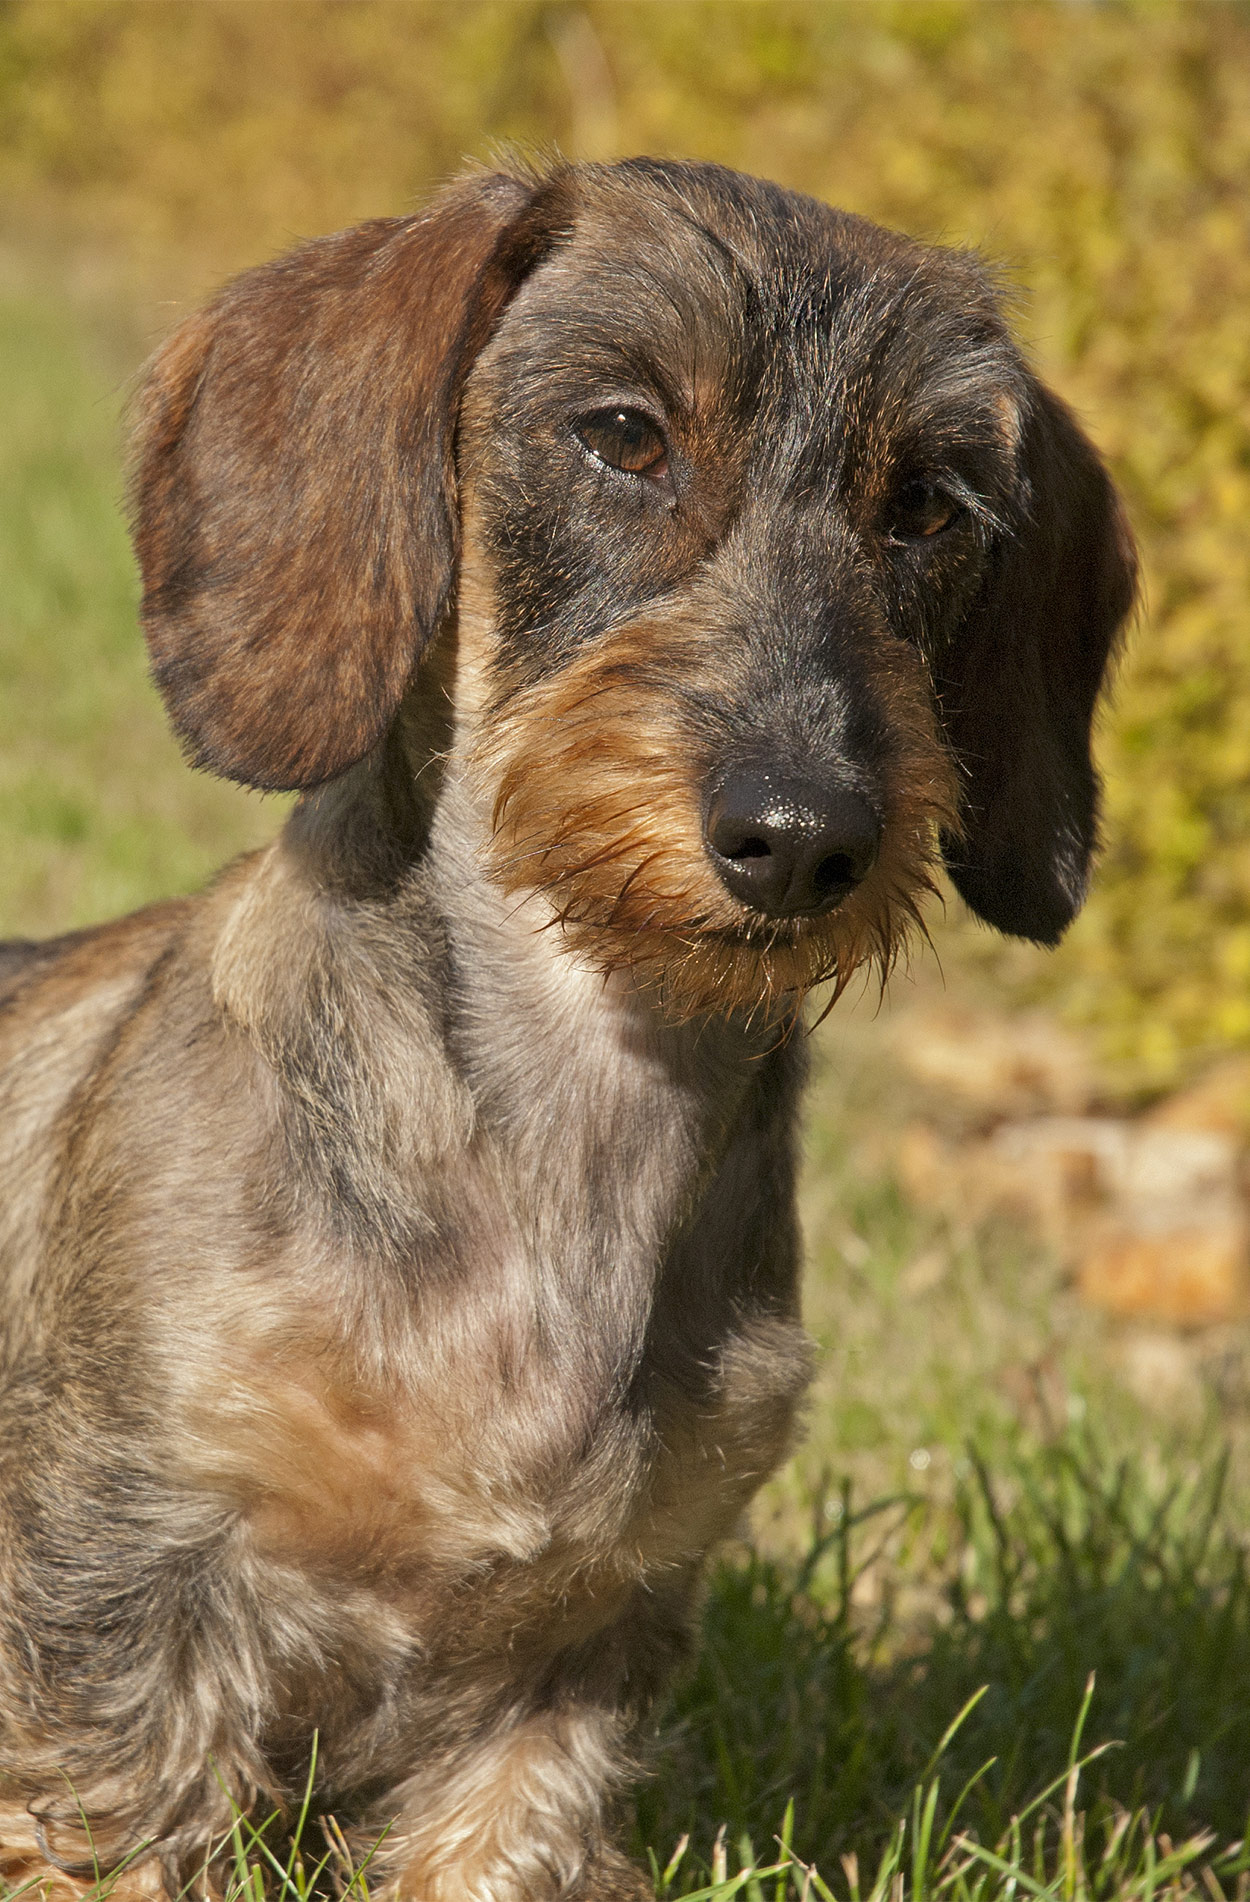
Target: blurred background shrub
[1098, 154]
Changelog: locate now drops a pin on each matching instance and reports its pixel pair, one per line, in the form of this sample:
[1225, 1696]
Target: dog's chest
[600, 1363]
[557, 1402]
[511, 1443]
[452, 1554]
[639, 1319]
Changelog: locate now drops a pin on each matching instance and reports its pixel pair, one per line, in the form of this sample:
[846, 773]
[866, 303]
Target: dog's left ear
[294, 485]
[1019, 684]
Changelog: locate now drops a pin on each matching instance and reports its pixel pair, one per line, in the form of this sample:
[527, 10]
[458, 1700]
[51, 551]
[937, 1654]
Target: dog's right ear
[294, 486]
[1020, 687]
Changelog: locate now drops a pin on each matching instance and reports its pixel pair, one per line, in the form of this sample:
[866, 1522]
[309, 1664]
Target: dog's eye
[625, 439]
[921, 508]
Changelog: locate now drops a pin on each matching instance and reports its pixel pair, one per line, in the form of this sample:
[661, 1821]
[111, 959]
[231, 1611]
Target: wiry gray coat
[398, 1240]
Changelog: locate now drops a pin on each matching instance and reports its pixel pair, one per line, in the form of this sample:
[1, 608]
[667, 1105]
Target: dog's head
[779, 566]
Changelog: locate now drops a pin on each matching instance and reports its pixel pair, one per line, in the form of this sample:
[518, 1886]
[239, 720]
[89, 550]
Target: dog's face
[734, 482]
[777, 564]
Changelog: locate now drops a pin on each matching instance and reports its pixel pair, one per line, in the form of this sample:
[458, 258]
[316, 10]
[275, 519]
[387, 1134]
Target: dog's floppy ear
[294, 488]
[1020, 681]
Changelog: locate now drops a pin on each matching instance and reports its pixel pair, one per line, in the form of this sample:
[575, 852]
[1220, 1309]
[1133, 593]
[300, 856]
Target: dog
[645, 575]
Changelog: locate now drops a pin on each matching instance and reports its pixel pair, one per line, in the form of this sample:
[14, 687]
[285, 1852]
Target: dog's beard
[596, 805]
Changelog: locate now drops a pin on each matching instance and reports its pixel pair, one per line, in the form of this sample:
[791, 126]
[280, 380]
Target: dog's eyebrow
[673, 375]
[862, 324]
[738, 266]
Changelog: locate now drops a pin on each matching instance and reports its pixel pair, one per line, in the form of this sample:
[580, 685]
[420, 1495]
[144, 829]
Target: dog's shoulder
[45, 977]
[63, 1004]
[20, 958]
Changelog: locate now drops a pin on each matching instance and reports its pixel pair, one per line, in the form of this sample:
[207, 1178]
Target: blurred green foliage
[1099, 153]
[97, 812]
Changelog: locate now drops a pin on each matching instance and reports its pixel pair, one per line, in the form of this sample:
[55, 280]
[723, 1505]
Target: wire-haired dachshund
[644, 575]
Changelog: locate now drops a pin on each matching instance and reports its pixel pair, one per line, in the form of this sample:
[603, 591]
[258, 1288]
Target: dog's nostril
[835, 874]
[749, 849]
[789, 847]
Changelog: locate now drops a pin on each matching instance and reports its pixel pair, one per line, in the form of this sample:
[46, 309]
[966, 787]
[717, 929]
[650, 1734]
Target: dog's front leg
[523, 1816]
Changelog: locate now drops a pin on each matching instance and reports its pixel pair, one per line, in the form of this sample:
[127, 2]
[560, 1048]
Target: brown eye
[920, 509]
[625, 439]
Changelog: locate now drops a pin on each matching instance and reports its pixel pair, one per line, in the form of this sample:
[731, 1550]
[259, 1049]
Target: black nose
[787, 847]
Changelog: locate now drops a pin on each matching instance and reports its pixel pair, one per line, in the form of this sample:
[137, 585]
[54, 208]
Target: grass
[1040, 1554]
[1065, 1590]
[993, 1636]
[97, 811]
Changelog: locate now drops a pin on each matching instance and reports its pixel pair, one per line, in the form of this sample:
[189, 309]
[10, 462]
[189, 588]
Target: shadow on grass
[1061, 1564]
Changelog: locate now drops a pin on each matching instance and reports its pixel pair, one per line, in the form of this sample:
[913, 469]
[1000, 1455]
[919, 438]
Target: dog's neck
[459, 1017]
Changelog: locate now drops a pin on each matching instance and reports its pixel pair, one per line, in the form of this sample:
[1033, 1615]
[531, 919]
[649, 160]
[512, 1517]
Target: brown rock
[996, 1065]
[1161, 1366]
[1059, 1169]
[1149, 1211]
[927, 1167]
[1069, 1169]
[1219, 1102]
[1191, 1276]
